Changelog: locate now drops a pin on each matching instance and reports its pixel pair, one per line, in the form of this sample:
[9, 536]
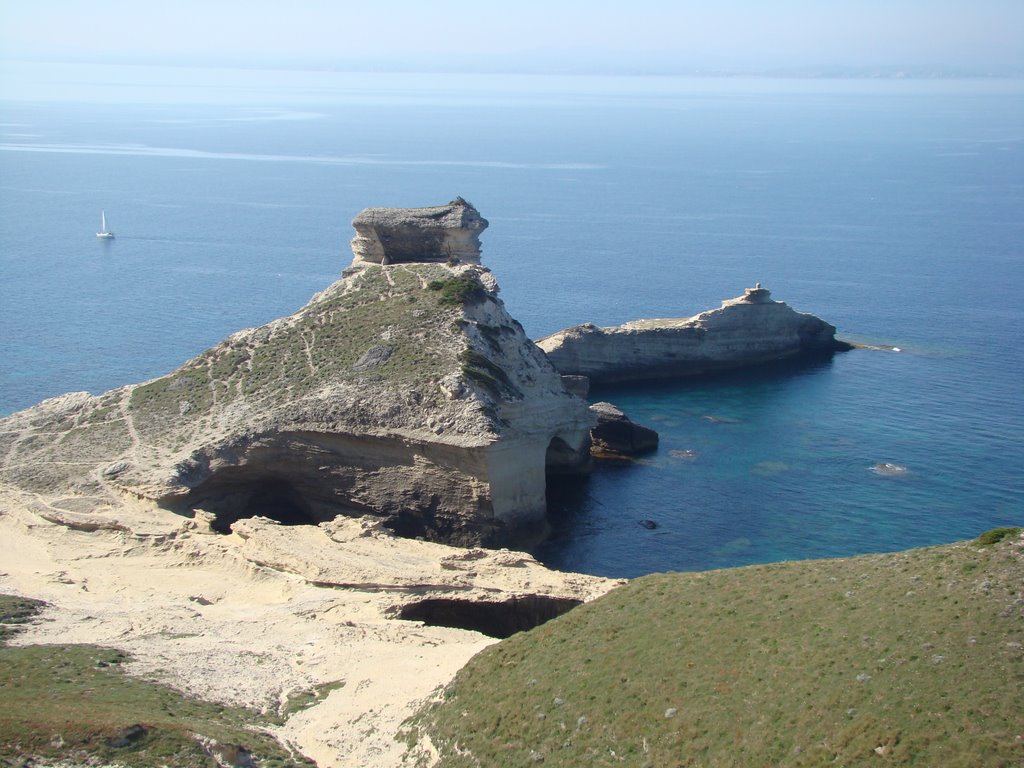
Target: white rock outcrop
[405, 390]
[744, 331]
[440, 233]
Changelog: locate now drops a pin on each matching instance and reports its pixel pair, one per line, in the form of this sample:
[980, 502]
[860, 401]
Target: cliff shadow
[231, 499]
[773, 372]
[568, 498]
[494, 619]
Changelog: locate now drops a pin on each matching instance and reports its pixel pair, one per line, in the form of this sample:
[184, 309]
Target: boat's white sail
[104, 232]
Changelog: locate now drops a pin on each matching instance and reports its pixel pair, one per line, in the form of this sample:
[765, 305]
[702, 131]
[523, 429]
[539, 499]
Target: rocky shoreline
[278, 513]
[746, 331]
[405, 391]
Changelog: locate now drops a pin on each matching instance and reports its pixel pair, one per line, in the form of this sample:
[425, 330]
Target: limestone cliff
[404, 390]
[441, 233]
[744, 331]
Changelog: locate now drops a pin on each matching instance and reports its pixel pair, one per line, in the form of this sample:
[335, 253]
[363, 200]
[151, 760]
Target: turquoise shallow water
[893, 210]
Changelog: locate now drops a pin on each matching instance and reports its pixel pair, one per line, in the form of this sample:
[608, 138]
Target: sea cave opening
[234, 499]
[567, 479]
[499, 619]
[561, 459]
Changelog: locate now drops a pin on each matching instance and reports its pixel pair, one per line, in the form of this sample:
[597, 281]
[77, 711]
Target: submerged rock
[404, 390]
[686, 454]
[890, 470]
[744, 331]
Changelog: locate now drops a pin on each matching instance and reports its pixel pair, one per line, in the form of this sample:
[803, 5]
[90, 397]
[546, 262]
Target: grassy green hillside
[72, 703]
[912, 658]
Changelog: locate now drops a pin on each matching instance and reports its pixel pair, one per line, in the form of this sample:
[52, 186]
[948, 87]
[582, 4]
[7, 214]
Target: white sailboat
[104, 232]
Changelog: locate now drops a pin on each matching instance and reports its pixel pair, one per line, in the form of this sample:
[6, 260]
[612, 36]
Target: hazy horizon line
[502, 66]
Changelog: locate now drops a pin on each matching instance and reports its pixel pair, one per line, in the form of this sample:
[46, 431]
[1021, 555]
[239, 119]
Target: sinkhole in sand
[498, 619]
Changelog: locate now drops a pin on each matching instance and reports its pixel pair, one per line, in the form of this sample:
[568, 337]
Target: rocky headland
[403, 391]
[246, 526]
[746, 331]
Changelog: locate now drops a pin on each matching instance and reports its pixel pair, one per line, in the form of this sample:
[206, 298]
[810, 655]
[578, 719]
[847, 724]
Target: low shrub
[996, 535]
[459, 291]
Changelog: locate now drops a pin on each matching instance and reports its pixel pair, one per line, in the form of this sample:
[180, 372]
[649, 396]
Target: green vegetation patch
[459, 291]
[172, 403]
[487, 374]
[899, 659]
[104, 413]
[997, 534]
[15, 612]
[72, 702]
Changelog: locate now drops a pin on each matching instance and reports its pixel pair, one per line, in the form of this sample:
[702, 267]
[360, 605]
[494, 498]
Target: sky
[525, 35]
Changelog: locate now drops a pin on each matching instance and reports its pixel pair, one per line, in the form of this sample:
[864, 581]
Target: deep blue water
[894, 210]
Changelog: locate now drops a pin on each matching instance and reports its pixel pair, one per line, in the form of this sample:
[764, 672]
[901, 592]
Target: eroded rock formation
[441, 233]
[404, 390]
[615, 436]
[744, 331]
[271, 615]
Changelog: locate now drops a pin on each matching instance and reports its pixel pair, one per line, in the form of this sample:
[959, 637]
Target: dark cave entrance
[231, 500]
[560, 459]
[494, 619]
[566, 481]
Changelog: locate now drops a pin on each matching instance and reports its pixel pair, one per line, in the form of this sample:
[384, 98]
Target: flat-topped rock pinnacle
[441, 233]
[404, 390]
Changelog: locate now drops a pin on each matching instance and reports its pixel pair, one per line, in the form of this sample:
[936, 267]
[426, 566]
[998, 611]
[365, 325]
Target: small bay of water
[894, 210]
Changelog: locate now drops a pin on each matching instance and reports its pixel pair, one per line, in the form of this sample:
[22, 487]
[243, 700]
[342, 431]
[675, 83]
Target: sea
[892, 208]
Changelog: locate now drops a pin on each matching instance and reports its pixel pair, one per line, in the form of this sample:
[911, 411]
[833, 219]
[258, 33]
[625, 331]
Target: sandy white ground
[268, 610]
